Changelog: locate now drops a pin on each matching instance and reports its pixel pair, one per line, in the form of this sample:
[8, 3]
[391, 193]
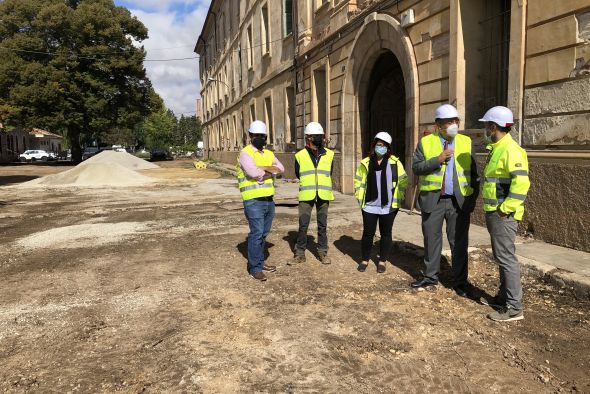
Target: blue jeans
[259, 215]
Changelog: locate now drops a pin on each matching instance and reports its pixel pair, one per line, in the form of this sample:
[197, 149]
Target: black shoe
[424, 282]
[381, 268]
[461, 290]
[362, 267]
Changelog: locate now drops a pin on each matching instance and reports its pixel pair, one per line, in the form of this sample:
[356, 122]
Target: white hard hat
[314, 128]
[446, 111]
[383, 136]
[257, 127]
[502, 116]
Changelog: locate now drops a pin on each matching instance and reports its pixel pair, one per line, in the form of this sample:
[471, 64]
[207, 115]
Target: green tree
[71, 67]
[188, 132]
[158, 128]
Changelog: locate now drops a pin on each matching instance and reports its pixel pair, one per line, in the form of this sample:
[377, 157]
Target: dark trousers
[457, 235]
[305, 209]
[370, 226]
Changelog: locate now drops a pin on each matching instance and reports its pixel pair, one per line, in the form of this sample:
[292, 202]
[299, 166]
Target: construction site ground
[145, 289]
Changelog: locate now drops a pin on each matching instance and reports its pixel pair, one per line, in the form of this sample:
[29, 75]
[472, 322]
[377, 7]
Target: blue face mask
[380, 150]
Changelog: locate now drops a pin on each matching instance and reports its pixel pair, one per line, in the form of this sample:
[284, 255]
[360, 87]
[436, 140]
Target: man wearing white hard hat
[449, 186]
[256, 169]
[505, 187]
[379, 187]
[313, 167]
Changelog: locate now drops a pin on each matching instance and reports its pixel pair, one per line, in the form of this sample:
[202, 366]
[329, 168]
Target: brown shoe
[325, 259]
[259, 276]
[297, 259]
[269, 268]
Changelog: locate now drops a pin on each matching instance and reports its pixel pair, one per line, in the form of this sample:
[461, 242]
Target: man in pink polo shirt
[256, 169]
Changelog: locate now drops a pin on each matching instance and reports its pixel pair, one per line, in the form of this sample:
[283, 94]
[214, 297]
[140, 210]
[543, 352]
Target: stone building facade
[364, 66]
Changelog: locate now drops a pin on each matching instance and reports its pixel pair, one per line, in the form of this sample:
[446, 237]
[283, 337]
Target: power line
[92, 56]
[85, 57]
[171, 60]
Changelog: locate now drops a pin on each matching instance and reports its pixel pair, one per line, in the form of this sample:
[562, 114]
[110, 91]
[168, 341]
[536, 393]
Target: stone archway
[378, 34]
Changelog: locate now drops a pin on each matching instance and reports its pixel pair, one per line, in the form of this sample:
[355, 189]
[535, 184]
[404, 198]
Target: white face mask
[453, 130]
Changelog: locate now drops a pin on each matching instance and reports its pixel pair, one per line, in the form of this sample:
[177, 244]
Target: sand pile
[123, 158]
[105, 169]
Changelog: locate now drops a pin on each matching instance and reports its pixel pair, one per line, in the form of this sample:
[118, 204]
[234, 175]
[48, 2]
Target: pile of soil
[108, 168]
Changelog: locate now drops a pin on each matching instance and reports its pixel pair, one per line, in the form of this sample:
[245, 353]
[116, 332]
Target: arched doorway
[382, 59]
[386, 104]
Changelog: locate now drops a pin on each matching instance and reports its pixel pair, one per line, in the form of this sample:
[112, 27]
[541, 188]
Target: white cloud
[172, 35]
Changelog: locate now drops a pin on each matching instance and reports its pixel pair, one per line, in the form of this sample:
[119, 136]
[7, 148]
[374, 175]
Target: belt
[268, 198]
[445, 196]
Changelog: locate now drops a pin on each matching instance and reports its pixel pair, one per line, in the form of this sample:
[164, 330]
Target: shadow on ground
[13, 179]
[243, 249]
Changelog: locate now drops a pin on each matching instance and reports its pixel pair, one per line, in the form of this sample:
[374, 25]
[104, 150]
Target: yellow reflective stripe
[464, 173]
[426, 183]
[517, 196]
[257, 186]
[240, 180]
[499, 180]
[464, 184]
[304, 173]
[358, 178]
[520, 173]
[490, 201]
[319, 187]
[403, 176]
[324, 172]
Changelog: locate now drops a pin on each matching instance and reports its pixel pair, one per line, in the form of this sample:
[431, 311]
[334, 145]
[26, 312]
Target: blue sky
[174, 27]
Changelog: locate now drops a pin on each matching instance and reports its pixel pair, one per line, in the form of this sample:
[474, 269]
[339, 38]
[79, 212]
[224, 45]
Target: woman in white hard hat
[380, 185]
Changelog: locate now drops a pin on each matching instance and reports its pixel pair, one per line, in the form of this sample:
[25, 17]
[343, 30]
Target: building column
[457, 59]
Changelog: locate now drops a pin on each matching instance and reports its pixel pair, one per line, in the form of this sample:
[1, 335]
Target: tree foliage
[71, 67]
[187, 132]
[159, 127]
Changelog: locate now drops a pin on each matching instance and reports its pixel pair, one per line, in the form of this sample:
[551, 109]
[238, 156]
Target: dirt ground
[146, 290]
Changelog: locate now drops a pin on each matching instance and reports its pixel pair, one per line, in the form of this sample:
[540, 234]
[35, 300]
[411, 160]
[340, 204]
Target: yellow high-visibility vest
[432, 147]
[399, 189]
[251, 188]
[315, 181]
[506, 182]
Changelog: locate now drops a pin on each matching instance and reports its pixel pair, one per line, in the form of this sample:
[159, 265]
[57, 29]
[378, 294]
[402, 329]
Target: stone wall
[556, 208]
[557, 82]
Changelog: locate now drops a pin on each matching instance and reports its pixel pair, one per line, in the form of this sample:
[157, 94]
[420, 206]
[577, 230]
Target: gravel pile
[108, 168]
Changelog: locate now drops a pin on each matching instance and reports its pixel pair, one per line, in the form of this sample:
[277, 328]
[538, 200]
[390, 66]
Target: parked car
[89, 151]
[36, 155]
[158, 154]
